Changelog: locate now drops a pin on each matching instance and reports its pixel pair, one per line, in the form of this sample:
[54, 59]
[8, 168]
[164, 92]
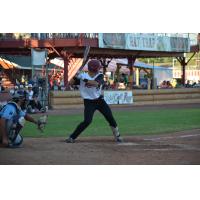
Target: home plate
[128, 144]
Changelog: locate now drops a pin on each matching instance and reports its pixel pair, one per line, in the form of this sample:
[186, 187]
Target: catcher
[12, 120]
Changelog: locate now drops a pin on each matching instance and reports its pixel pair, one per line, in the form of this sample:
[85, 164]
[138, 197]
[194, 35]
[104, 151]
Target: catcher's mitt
[42, 121]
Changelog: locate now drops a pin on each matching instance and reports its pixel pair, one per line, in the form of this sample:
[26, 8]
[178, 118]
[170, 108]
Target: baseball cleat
[69, 140]
[116, 134]
[119, 139]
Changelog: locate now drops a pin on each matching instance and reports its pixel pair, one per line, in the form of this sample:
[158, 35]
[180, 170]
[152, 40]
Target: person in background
[125, 79]
[1, 87]
[106, 84]
[163, 85]
[169, 85]
[188, 85]
[33, 100]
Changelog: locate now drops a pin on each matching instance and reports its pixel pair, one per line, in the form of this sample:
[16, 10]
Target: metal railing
[43, 36]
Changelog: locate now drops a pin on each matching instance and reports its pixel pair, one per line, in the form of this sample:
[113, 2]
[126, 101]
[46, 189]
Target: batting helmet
[94, 65]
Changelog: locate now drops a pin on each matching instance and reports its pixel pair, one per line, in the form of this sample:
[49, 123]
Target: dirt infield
[180, 148]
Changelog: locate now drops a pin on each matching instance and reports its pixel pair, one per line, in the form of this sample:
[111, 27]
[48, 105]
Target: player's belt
[95, 100]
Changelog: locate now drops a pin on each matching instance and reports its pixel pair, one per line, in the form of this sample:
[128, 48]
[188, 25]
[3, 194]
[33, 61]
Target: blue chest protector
[13, 126]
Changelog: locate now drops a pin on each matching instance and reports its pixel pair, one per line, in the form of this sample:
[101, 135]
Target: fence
[72, 99]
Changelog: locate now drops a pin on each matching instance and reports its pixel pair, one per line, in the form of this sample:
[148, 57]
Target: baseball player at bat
[90, 89]
[12, 120]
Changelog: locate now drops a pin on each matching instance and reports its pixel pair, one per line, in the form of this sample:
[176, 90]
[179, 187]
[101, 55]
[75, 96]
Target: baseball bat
[85, 57]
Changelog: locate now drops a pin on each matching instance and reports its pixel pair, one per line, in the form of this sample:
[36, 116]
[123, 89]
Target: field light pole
[184, 66]
[153, 81]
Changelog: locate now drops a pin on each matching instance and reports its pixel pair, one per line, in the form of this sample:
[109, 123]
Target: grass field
[130, 123]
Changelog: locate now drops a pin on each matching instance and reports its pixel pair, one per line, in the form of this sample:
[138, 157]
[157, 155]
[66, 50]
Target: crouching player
[12, 120]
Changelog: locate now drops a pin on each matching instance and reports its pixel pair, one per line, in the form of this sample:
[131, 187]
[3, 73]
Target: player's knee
[113, 124]
[87, 122]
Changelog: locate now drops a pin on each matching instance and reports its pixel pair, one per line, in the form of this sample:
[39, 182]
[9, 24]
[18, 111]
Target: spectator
[1, 87]
[33, 100]
[106, 84]
[23, 80]
[188, 85]
[194, 84]
[163, 85]
[21, 87]
[197, 85]
[35, 90]
[16, 88]
[123, 81]
[169, 85]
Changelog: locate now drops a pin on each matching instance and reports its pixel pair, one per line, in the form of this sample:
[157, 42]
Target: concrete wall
[72, 99]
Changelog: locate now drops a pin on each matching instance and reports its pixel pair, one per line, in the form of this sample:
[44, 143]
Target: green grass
[130, 123]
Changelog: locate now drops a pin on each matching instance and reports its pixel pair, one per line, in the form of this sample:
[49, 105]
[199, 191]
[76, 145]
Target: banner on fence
[118, 97]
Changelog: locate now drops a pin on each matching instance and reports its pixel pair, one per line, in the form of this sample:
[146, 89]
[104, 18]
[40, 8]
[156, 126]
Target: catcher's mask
[18, 95]
[94, 66]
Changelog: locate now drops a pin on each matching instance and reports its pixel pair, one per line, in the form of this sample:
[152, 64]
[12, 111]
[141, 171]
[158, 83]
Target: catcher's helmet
[18, 95]
[94, 65]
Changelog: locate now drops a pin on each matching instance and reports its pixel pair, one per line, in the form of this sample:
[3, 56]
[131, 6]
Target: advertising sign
[143, 41]
[118, 97]
[112, 40]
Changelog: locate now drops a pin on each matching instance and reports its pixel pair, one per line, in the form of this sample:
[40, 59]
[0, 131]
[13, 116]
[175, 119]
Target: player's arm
[39, 123]
[74, 81]
[97, 82]
[100, 79]
[27, 117]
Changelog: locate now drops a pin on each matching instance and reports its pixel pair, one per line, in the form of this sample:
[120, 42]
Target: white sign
[118, 97]
[144, 41]
[38, 57]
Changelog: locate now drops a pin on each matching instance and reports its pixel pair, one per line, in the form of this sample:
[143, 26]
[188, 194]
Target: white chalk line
[172, 137]
[174, 147]
[128, 144]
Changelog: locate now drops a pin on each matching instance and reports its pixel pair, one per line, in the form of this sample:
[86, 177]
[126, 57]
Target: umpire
[90, 89]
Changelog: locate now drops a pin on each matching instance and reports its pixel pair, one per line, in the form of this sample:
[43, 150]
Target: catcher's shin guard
[13, 130]
[116, 134]
[17, 141]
